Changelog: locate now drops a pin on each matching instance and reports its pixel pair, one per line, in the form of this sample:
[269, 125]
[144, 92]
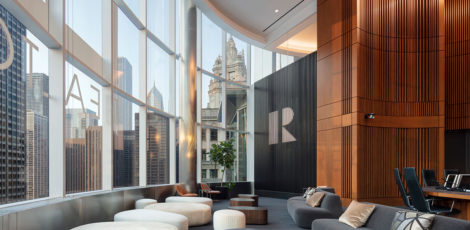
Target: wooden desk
[462, 200]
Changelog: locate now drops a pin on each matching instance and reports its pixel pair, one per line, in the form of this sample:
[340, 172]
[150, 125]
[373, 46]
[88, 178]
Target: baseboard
[276, 194]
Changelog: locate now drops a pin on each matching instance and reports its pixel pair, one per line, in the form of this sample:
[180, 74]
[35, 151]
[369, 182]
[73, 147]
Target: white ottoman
[228, 219]
[185, 199]
[197, 214]
[177, 220]
[144, 202]
[126, 226]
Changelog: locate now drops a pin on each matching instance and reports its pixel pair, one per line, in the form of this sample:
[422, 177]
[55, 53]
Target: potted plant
[223, 154]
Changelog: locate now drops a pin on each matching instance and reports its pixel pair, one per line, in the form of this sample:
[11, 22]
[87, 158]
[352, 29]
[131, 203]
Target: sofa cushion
[357, 214]
[383, 216]
[333, 224]
[315, 199]
[405, 220]
[303, 215]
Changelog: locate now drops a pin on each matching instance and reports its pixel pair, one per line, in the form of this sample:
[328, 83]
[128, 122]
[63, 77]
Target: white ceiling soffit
[256, 22]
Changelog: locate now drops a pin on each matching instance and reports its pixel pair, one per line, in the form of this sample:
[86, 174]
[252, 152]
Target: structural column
[187, 129]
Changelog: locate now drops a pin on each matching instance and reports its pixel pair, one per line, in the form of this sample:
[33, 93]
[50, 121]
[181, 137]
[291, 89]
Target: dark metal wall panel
[287, 166]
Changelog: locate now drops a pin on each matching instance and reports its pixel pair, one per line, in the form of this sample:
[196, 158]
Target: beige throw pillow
[357, 214]
[315, 199]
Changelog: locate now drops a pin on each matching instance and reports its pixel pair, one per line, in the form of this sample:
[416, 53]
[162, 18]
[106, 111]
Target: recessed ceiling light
[276, 11]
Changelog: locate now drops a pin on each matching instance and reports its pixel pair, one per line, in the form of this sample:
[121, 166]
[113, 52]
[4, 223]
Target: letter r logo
[287, 118]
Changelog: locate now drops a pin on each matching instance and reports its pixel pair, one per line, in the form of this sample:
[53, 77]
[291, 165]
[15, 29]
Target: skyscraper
[83, 147]
[235, 110]
[37, 136]
[157, 143]
[125, 139]
[12, 112]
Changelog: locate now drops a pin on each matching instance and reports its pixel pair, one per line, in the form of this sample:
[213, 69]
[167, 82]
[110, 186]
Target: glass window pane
[135, 6]
[212, 111]
[158, 19]
[283, 60]
[236, 107]
[83, 132]
[235, 59]
[211, 46]
[178, 26]
[84, 18]
[127, 74]
[24, 113]
[157, 149]
[210, 171]
[261, 63]
[37, 118]
[126, 142]
[238, 173]
[177, 87]
[158, 77]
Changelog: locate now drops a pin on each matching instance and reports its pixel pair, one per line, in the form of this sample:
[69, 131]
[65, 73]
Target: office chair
[401, 188]
[429, 178]
[420, 202]
[450, 171]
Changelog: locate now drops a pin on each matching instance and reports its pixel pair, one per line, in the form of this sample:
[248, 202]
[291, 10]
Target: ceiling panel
[255, 15]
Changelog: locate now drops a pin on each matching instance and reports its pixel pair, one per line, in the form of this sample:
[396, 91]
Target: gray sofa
[303, 215]
[382, 218]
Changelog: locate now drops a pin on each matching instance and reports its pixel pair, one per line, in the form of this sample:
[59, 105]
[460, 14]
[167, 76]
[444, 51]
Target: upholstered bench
[126, 226]
[228, 219]
[184, 199]
[144, 202]
[148, 215]
[197, 214]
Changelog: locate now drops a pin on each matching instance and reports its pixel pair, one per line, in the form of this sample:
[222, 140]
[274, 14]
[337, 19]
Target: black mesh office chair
[420, 203]
[450, 171]
[401, 188]
[429, 178]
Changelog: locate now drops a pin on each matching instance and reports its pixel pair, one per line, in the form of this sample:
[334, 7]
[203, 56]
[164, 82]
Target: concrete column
[187, 132]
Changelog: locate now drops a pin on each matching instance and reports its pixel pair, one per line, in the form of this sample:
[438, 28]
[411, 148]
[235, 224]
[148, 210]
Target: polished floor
[278, 218]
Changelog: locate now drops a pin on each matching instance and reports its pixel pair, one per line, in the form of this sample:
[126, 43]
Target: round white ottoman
[228, 219]
[185, 199]
[144, 202]
[197, 214]
[177, 220]
[126, 226]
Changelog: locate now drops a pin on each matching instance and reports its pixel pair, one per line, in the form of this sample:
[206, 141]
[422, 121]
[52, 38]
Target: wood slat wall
[457, 61]
[384, 57]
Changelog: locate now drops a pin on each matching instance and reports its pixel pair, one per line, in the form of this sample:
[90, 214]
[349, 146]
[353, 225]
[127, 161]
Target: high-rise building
[125, 151]
[157, 143]
[37, 136]
[12, 112]
[76, 122]
[83, 161]
[83, 147]
[235, 111]
[155, 98]
[37, 99]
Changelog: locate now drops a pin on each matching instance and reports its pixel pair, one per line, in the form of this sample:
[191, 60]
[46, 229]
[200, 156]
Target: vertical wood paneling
[390, 55]
[457, 60]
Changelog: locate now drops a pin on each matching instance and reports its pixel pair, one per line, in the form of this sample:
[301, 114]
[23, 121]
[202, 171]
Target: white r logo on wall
[287, 118]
